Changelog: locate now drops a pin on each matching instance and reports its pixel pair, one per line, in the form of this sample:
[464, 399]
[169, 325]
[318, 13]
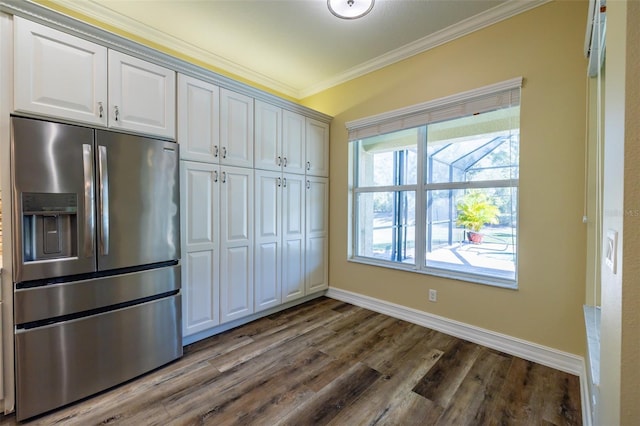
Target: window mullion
[421, 202]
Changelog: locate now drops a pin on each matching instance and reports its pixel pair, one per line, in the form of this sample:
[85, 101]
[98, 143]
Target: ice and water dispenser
[49, 226]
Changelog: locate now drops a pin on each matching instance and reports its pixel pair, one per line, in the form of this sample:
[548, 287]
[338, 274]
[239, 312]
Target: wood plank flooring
[330, 363]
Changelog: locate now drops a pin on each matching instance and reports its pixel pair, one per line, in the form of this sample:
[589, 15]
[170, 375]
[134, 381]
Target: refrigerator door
[53, 199]
[138, 200]
[66, 361]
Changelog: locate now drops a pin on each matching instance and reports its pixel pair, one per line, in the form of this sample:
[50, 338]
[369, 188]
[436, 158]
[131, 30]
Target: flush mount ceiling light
[350, 9]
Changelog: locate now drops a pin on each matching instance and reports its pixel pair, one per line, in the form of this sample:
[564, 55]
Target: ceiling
[297, 47]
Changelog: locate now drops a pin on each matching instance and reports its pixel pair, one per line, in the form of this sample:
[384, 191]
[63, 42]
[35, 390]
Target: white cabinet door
[317, 227]
[198, 119]
[59, 75]
[293, 142]
[236, 129]
[268, 235]
[200, 246]
[236, 242]
[317, 145]
[142, 96]
[293, 237]
[268, 136]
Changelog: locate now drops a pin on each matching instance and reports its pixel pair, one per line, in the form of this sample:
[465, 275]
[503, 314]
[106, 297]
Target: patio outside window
[441, 197]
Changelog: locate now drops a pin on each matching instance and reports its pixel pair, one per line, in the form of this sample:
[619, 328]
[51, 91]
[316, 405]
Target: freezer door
[138, 200]
[63, 362]
[53, 199]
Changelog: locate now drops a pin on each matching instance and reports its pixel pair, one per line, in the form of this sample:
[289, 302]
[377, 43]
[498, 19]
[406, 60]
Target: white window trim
[482, 99]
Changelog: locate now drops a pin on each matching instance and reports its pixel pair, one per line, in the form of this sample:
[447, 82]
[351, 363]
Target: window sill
[468, 278]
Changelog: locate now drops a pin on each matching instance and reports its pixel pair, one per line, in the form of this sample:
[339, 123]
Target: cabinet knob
[308, 165]
[284, 182]
[215, 151]
[100, 109]
[215, 176]
[116, 111]
[224, 177]
[224, 152]
[279, 161]
[308, 184]
[278, 182]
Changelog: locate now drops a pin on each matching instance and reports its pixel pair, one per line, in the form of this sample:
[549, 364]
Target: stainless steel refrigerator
[95, 260]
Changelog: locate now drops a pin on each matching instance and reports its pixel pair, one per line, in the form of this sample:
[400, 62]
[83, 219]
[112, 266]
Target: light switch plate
[611, 250]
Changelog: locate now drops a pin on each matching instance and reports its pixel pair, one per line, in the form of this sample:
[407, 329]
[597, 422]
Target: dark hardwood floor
[330, 363]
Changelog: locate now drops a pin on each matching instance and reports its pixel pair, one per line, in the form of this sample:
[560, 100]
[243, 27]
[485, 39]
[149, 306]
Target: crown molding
[105, 15]
[492, 16]
[69, 25]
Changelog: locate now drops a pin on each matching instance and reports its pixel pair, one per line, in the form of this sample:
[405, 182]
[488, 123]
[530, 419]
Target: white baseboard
[530, 351]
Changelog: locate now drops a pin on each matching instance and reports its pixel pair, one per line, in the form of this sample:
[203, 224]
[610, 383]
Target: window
[435, 187]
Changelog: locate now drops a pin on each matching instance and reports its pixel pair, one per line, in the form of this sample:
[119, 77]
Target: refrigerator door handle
[89, 199]
[103, 179]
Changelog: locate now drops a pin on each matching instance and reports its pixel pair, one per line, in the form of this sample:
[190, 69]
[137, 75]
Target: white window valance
[483, 99]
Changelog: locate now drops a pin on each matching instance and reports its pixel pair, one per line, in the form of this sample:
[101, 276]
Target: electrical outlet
[433, 295]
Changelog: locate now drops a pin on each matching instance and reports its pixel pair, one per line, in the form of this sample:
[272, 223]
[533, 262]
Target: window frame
[407, 118]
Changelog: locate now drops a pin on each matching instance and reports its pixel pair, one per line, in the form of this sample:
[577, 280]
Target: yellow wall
[544, 46]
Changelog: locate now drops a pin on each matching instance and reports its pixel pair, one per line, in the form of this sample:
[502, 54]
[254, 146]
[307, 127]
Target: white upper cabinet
[317, 148]
[198, 120]
[236, 129]
[293, 142]
[268, 136]
[59, 75]
[63, 76]
[279, 139]
[141, 96]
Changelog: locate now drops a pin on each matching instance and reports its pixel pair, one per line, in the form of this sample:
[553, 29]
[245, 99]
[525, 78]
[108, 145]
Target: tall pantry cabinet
[254, 205]
[217, 207]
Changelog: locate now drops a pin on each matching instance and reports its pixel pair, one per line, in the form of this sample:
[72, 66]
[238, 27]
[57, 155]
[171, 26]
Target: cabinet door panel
[198, 119]
[267, 275]
[317, 144]
[316, 264]
[268, 236]
[200, 193]
[200, 291]
[200, 244]
[236, 291]
[236, 129]
[293, 236]
[293, 260]
[237, 242]
[293, 142]
[142, 96]
[268, 131]
[59, 75]
[237, 190]
[317, 227]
